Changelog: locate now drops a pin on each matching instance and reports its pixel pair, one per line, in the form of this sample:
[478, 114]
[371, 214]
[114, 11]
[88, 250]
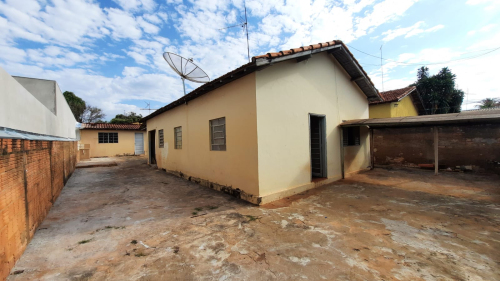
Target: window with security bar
[218, 134]
[161, 140]
[351, 136]
[108, 137]
[178, 137]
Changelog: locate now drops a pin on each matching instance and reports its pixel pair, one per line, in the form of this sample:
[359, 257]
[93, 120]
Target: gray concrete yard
[132, 222]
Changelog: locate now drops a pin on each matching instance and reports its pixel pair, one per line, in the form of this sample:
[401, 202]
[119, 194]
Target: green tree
[76, 104]
[439, 92]
[489, 103]
[127, 118]
[93, 114]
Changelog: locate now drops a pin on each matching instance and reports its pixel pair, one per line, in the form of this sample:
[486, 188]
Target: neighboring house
[268, 129]
[38, 154]
[105, 140]
[398, 103]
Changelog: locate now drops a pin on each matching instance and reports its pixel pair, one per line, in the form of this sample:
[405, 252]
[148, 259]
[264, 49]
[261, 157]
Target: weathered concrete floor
[132, 222]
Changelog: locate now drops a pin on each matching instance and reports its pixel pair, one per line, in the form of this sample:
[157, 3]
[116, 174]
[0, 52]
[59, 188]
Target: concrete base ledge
[95, 164]
[295, 190]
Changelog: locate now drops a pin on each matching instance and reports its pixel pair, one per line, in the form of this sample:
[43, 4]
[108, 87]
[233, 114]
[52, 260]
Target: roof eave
[345, 59]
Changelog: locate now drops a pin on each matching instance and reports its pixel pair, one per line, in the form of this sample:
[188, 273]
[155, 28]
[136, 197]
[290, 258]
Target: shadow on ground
[132, 222]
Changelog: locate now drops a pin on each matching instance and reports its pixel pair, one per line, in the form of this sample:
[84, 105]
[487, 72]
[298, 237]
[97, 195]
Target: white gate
[139, 143]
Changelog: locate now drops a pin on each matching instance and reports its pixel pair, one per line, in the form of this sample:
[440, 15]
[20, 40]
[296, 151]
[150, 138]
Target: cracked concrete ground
[132, 222]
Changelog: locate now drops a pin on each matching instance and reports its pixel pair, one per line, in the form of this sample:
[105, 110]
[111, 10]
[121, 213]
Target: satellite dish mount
[186, 69]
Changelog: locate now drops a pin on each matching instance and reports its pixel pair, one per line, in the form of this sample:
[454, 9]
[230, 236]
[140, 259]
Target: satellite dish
[186, 69]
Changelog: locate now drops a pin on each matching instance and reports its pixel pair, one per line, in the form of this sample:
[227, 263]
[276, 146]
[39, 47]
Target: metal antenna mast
[382, 67]
[245, 26]
[246, 29]
[148, 107]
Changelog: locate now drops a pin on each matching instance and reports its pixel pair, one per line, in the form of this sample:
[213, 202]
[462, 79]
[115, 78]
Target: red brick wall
[477, 145]
[32, 175]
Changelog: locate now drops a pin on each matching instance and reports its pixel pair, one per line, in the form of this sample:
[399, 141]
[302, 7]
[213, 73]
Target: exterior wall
[405, 107]
[476, 145]
[43, 90]
[287, 93]
[381, 110]
[234, 170]
[32, 175]
[125, 145]
[25, 112]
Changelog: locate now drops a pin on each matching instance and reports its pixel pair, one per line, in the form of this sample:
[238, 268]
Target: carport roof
[429, 120]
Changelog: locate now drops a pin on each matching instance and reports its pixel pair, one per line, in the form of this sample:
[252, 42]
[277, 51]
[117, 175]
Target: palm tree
[489, 103]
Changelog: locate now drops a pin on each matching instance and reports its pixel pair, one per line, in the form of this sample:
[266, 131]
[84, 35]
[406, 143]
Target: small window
[178, 137]
[351, 136]
[218, 134]
[161, 138]
[108, 137]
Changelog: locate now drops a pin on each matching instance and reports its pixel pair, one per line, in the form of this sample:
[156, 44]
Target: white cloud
[12, 54]
[122, 24]
[490, 4]
[148, 27]
[135, 5]
[409, 31]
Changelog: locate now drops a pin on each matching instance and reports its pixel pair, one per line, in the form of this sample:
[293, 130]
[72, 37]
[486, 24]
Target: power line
[406, 63]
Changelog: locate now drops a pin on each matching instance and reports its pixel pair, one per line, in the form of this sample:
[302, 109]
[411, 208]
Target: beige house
[269, 129]
[104, 140]
[398, 103]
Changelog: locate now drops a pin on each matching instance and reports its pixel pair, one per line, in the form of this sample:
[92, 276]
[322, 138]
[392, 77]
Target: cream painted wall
[125, 145]
[286, 93]
[237, 166]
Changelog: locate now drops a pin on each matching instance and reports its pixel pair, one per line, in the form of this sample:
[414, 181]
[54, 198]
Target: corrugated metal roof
[428, 120]
[107, 126]
[6, 133]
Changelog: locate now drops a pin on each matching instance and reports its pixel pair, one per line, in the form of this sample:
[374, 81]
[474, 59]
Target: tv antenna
[243, 24]
[148, 107]
[186, 69]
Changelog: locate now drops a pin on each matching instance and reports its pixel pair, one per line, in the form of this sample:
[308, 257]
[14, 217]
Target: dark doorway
[152, 147]
[318, 145]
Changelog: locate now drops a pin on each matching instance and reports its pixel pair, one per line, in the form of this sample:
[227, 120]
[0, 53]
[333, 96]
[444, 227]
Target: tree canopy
[439, 92]
[93, 114]
[83, 112]
[489, 103]
[127, 118]
[76, 104]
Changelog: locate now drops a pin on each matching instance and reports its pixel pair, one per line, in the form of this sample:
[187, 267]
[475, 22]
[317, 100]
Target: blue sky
[110, 52]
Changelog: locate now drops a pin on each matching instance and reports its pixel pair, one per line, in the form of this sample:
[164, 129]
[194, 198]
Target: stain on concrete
[353, 229]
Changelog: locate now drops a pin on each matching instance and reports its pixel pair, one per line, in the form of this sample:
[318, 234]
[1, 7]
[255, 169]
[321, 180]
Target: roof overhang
[336, 48]
[345, 59]
[428, 120]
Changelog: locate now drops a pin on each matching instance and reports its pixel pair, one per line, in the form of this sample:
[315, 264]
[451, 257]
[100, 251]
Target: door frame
[152, 146]
[135, 143]
[322, 125]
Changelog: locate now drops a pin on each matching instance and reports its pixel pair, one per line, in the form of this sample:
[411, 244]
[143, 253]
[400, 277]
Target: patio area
[133, 222]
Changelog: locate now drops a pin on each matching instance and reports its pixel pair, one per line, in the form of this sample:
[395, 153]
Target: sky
[109, 52]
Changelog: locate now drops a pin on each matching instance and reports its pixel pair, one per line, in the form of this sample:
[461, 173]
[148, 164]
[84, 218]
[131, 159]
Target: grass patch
[140, 254]
[212, 207]
[133, 241]
[194, 213]
[198, 209]
[85, 241]
[252, 218]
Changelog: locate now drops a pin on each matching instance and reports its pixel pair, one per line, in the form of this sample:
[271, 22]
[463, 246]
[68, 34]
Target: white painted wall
[20, 110]
[286, 93]
[42, 90]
